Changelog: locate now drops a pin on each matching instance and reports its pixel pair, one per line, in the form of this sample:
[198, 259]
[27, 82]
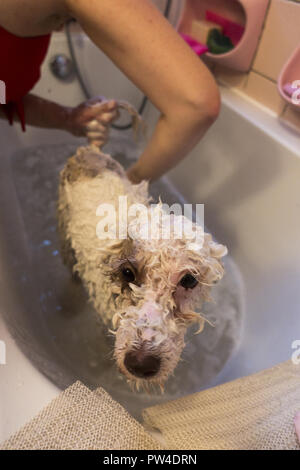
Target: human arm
[136, 37]
[91, 118]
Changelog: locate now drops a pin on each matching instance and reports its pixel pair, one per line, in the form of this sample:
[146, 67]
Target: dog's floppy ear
[209, 266]
[217, 250]
[212, 248]
[213, 253]
[117, 250]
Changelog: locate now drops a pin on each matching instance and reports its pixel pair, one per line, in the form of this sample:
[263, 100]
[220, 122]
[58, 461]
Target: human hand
[92, 119]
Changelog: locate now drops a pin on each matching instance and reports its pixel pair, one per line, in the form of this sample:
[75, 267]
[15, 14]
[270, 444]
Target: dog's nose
[140, 364]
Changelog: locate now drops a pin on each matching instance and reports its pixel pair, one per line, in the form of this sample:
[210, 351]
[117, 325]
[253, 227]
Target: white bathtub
[247, 172]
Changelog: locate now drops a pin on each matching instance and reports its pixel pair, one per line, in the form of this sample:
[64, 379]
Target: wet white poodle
[147, 287]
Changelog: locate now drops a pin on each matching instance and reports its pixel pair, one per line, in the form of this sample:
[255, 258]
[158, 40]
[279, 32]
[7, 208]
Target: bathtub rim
[262, 117]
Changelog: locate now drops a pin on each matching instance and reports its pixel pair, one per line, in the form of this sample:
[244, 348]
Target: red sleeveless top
[20, 62]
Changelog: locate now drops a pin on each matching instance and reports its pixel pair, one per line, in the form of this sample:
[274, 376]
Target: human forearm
[43, 113]
[90, 118]
[172, 139]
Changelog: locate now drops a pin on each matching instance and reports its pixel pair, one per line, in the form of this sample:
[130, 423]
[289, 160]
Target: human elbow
[205, 107]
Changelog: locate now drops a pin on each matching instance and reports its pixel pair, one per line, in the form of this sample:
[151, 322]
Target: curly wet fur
[154, 312]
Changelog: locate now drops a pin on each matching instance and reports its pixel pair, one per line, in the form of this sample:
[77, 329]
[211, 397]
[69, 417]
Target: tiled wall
[279, 38]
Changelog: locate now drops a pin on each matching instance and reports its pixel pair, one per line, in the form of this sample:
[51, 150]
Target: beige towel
[255, 412]
[81, 419]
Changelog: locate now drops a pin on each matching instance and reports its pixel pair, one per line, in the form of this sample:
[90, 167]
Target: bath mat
[82, 419]
[254, 412]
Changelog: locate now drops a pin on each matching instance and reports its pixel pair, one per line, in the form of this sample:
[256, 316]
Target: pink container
[289, 75]
[248, 14]
[231, 29]
[197, 47]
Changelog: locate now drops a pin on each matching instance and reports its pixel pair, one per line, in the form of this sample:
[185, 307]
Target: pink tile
[280, 37]
[264, 91]
[230, 78]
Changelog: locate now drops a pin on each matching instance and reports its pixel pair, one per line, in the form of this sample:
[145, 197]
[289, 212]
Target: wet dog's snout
[141, 364]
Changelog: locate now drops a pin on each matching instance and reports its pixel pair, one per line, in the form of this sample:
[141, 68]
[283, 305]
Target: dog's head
[157, 283]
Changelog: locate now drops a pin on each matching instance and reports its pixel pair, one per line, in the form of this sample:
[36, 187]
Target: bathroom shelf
[248, 13]
[289, 74]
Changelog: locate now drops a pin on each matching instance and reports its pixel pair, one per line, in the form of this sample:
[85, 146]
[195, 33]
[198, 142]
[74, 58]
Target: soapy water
[71, 342]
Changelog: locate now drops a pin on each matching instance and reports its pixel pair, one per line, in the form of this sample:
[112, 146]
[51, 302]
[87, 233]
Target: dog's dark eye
[128, 275]
[188, 281]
